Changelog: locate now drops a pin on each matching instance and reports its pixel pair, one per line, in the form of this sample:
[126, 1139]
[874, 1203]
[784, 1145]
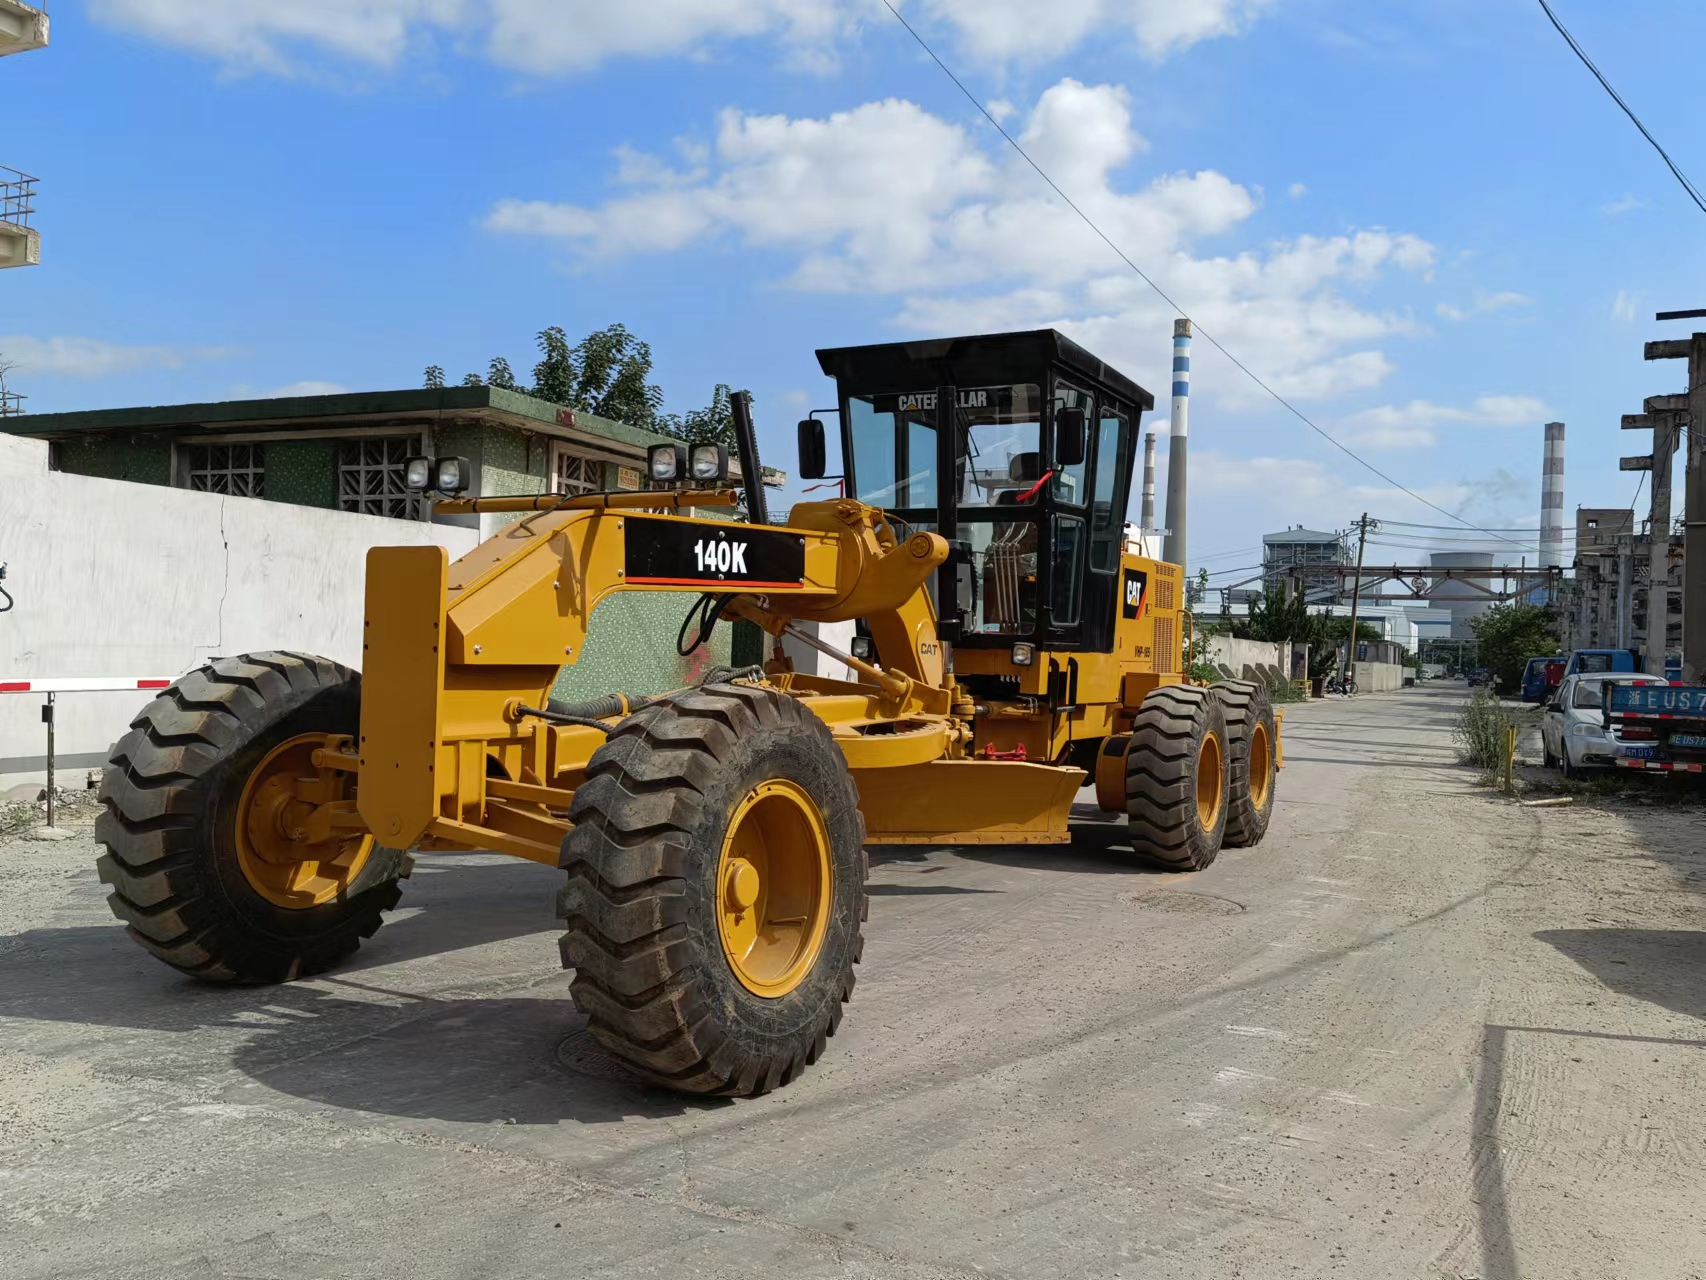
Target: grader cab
[1011, 644]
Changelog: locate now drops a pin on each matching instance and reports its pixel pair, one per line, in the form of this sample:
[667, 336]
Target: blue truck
[1601, 661]
[1662, 727]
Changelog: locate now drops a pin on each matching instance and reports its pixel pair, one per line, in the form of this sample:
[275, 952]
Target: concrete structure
[1307, 556]
[1464, 602]
[22, 27]
[1177, 443]
[1552, 498]
[117, 578]
[346, 452]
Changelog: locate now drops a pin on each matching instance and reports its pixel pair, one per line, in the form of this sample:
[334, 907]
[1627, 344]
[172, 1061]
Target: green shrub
[1480, 731]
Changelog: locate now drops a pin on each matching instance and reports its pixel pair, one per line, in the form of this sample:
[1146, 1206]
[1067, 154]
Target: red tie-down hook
[1017, 753]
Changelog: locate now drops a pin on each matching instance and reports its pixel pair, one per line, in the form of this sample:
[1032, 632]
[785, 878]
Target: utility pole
[1356, 596]
[1692, 349]
[1625, 590]
[1667, 416]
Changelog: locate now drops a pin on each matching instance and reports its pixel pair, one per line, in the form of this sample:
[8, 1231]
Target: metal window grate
[238, 470]
[371, 478]
[575, 474]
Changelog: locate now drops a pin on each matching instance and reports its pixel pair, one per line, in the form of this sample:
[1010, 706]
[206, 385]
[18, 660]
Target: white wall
[1379, 677]
[119, 579]
[1237, 654]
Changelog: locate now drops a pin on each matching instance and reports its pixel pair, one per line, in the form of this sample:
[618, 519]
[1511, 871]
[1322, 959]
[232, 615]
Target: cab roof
[990, 359]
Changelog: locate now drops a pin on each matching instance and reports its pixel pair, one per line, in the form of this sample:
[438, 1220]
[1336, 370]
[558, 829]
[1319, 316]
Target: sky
[1423, 223]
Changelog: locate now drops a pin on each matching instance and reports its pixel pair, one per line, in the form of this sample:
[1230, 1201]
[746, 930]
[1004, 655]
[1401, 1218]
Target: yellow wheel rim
[278, 857]
[774, 888]
[1261, 766]
[1209, 772]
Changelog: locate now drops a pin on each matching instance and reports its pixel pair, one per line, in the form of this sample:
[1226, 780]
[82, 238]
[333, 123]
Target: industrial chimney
[1176, 443]
[1552, 498]
[1149, 482]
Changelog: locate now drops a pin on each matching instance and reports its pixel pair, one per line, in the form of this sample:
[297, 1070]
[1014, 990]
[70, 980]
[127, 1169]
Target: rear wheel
[1176, 778]
[1251, 737]
[716, 890]
[211, 863]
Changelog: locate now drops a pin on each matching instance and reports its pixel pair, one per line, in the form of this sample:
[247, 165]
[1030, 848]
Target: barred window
[235, 469]
[370, 477]
[575, 474]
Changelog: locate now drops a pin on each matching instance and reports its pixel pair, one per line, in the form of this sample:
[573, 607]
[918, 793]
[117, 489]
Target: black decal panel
[693, 553]
[1136, 591]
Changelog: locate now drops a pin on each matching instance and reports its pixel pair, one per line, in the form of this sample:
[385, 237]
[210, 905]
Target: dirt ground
[1423, 1030]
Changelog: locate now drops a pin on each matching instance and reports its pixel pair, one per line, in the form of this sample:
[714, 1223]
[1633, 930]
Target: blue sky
[1424, 222]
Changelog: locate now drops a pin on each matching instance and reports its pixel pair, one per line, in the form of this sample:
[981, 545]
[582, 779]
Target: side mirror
[814, 453]
[1070, 436]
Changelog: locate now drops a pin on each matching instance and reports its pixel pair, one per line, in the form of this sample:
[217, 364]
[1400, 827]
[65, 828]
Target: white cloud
[888, 199]
[1624, 204]
[566, 36]
[1623, 306]
[1014, 29]
[1485, 304]
[1297, 191]
[1415, 424]
[94, 358]
[258, 33]
[310, 387]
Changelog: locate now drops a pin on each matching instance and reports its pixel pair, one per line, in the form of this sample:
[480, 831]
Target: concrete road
[1421, 1031]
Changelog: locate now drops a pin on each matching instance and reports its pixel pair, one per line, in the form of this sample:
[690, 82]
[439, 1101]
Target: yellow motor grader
[1010, 644]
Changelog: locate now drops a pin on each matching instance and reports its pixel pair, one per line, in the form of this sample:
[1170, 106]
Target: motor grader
[1011, 643]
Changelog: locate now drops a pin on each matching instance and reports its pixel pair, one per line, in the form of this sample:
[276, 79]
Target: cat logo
[1136, 592]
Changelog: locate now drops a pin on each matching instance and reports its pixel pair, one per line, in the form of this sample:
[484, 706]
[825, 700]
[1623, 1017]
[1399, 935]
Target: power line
[1693, 191]
[1160, 292]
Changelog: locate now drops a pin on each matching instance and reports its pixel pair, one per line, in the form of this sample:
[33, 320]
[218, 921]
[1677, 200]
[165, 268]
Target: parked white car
[1572, 725]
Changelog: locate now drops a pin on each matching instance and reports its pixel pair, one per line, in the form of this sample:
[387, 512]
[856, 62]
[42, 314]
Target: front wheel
[209, 857]
[1177, 778]
[716, 890]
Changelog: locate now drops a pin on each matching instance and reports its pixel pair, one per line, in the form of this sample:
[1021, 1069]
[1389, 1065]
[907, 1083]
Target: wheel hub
[278, 856]
[1209, 771]
[774, 888]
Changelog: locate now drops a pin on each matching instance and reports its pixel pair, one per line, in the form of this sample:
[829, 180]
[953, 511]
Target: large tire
[171, 794]
[1251, 739]
[646, 862]
[1176, 778]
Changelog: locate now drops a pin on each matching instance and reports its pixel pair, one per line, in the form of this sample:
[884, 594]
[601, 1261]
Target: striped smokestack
[1175, 544]
[1552, 498]
[1149, 482]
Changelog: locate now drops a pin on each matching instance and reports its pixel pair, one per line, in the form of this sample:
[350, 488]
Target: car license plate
[1638, 753]
[1688, 740]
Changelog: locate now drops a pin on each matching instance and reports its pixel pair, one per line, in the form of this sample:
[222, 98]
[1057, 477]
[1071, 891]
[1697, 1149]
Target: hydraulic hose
[611, 704]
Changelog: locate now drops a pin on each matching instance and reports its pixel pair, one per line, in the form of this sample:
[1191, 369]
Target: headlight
[863, 649]
[1587, 731]
[417, 474]
[1024, 654]
[450, 475]
[666, 462]
[710, 462]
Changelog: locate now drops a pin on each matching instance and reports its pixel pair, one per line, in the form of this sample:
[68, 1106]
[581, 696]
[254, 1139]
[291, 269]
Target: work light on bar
[666, 463]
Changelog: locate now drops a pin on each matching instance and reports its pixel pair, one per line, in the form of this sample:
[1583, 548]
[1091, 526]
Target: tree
[1511, 634]
[473, 380]
[499, 374]
[1275, 618]
[1196, 591]
[714, 424]
[434, 375]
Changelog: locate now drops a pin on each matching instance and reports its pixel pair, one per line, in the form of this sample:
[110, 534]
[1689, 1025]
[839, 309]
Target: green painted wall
[149, 462]
[304, 472]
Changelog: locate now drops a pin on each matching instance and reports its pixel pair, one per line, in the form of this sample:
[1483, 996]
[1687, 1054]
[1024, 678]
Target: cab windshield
[894, 446]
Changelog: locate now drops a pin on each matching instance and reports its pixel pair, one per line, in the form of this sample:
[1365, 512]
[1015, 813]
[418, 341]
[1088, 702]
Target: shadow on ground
[1666, 967]
[408, 1028]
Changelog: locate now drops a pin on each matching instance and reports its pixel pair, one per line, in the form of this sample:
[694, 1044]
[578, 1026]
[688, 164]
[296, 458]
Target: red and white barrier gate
[51, 686]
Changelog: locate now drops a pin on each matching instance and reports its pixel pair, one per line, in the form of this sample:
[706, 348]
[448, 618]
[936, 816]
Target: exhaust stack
[1175, 545]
